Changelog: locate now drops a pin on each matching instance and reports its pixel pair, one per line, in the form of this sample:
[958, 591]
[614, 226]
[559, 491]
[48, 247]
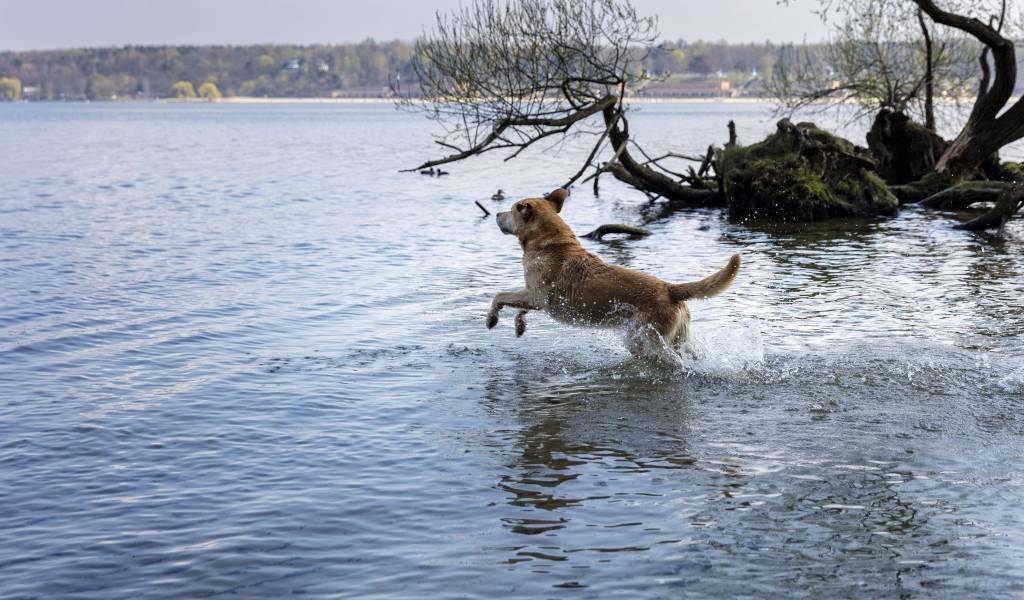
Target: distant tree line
[281, 70]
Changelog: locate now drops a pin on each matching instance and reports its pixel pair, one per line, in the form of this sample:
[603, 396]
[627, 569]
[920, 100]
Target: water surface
[241, 354]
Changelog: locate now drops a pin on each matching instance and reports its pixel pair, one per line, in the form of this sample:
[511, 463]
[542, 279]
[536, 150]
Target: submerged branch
[632, 230]
[1008, 203]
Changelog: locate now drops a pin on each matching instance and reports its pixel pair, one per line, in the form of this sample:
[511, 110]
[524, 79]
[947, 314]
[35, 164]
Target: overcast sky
[41, 24]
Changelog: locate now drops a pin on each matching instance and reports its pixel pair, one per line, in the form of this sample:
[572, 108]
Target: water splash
[1012, 383]
[732, 350]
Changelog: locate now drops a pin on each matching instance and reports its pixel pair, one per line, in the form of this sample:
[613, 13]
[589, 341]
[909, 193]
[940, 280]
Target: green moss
[1011, 171]
[781, 178]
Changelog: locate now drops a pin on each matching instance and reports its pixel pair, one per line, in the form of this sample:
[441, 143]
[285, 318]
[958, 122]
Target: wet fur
[576, 287]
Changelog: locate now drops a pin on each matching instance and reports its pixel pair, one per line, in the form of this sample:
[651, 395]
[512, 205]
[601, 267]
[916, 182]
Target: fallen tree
[508, 76]
[887, 65]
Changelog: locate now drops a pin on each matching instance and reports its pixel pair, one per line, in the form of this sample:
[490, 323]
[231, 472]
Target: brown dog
[576, 287]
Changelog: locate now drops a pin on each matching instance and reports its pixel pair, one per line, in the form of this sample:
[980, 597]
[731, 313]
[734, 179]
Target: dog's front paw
[521, 323]
[492, 319]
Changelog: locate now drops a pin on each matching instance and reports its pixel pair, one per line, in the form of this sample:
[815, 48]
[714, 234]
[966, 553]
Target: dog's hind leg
[520, 300]
[644, 340]
[682, 340]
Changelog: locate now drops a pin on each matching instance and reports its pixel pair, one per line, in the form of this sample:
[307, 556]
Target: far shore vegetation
[368, 69]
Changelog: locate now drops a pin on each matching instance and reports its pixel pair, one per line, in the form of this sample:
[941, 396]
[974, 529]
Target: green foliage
[1011, 171]
[266, 62]
[100, 87]
[183, 89]
[209, 91]
[10, 88]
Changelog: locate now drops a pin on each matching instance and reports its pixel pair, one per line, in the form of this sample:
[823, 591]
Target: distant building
[689, 88]
[292, 64]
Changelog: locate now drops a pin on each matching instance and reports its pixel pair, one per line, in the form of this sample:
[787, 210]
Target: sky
[48, 24]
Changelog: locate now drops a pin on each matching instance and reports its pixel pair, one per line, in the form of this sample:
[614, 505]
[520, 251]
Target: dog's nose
[501, 222]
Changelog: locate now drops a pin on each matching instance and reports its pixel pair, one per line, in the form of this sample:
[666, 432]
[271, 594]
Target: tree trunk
[991, 125]
[968, 152]
[906, 151]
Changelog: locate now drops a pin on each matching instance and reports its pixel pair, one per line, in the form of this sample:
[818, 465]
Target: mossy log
[802, 173]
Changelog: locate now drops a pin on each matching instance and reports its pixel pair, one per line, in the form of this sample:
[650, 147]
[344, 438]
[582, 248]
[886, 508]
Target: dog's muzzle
[505, 223]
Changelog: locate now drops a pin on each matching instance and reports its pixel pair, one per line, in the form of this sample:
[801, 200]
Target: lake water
[240, 354]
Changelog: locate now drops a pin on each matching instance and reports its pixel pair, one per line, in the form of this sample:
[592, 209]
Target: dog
[576, 287]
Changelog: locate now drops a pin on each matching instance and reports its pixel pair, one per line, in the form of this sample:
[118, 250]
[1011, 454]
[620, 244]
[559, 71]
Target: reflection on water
[241, 354]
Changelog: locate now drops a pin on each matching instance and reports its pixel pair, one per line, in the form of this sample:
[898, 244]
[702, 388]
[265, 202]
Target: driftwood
[965, 194]
[487, 213]
[632, 230]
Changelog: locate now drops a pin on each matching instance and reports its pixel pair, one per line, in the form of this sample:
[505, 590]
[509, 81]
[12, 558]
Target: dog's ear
[525, 210]
[557, 198]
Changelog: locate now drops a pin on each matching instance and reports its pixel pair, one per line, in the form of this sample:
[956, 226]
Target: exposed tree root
[1009, 202]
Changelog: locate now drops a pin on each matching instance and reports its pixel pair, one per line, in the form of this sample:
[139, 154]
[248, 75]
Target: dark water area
[240, 354]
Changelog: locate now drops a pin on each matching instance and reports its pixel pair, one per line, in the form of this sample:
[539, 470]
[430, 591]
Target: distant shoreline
[366, 100]
[636, 100]
[379, 100]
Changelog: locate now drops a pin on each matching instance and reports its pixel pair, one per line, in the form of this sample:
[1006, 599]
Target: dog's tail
[707, 287]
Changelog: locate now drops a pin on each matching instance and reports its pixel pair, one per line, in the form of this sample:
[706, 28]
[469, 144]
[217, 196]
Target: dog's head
[535, 218]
